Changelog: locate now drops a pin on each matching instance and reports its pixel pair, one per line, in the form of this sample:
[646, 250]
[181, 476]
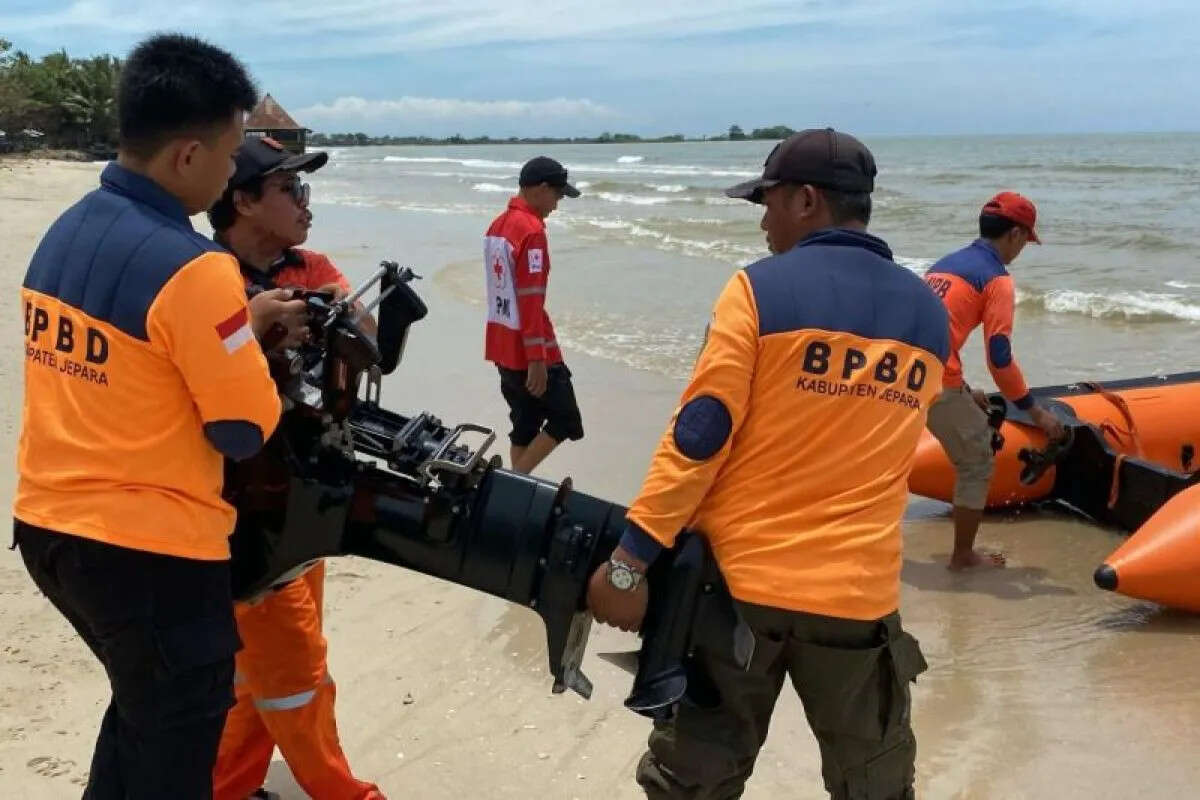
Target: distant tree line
[735, 133]
[352, 139]
[57, 101]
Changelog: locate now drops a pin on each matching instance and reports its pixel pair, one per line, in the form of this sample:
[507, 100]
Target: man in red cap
[976, 288]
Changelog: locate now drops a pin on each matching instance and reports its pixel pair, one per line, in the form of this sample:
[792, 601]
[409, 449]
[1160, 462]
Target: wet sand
[1040, 685]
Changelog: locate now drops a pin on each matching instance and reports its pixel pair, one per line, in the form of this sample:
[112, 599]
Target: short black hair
[993, 226]
[847, 206]
[174, 85]
[223, 213]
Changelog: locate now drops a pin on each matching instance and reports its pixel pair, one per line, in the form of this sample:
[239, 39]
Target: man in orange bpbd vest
[790, 453]
[285, 695]
[976, 289]
[141, 375]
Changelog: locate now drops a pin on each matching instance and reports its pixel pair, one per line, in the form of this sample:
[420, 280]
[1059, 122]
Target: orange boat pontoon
[1151, 419]
[1127, 462]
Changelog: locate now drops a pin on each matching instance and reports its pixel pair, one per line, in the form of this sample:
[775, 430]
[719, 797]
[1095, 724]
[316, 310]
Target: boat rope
[1114, 491]
[1125, 438]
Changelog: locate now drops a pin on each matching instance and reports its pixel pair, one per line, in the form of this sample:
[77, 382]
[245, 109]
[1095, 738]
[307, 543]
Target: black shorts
[556, 412]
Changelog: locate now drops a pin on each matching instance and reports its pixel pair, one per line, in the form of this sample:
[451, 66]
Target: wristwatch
[622, 576]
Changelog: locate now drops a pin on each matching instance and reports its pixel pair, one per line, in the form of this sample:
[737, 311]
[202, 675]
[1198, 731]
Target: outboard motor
[344, 476]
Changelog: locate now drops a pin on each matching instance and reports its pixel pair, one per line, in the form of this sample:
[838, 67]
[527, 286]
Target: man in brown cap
[789, 452]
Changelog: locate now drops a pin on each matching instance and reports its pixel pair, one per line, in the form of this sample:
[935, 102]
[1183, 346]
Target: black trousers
[853, 679]
[164, 630]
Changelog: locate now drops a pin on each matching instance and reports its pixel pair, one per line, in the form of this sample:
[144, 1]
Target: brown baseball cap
[818, 156]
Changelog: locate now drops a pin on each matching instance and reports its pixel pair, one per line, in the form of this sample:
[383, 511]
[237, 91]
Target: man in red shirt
[285, 695]
[520, 340]
[976, 288]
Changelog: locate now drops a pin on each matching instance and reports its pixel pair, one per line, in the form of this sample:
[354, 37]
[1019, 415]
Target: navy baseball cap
[261, 155]
[544, 169]
[817, 156]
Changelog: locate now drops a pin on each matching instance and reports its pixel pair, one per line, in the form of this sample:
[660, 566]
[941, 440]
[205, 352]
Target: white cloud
[350, 110]
[442, 107]
[665, 63]
[420, 24]
[355, 28]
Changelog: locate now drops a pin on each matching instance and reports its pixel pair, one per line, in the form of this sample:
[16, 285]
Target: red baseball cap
[1016, 207]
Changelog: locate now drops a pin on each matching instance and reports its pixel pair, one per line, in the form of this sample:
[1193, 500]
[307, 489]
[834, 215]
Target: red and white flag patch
[235, 331]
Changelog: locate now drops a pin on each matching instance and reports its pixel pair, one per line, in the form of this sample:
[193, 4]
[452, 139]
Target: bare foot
[974, 559]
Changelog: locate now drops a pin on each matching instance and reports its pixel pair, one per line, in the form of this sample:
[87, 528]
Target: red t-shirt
[304, 269]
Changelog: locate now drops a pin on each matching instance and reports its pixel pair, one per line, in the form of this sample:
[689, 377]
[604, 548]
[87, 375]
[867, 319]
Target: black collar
[260, 278]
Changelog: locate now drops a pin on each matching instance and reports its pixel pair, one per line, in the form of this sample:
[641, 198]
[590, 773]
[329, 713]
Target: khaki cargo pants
[958, 422]
[853, 678]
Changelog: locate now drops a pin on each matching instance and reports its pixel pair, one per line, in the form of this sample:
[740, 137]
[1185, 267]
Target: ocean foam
[721, 249]
[476, 163]
[1136, 306]
[624, 168]
[632, 199]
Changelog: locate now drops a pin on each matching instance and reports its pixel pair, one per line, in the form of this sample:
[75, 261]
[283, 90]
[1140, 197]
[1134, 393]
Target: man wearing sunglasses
[285, 696]
[520, 340]
[263, 217]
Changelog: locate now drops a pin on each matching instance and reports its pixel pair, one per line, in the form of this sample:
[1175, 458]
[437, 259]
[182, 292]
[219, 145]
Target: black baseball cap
[544, 169]
[818, 156]
[261, 155]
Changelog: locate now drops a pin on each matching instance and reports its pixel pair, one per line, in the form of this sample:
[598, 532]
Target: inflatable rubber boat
[1161, 560]
[1127, 461]
[1152, 419]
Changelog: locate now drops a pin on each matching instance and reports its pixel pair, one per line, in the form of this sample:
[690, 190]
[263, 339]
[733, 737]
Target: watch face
[620, 578]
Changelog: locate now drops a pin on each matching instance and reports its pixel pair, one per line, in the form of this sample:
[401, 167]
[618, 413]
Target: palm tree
[73, 101]
[43, 85]
[90, 100]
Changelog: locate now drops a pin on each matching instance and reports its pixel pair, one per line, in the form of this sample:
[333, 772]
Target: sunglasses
[299, 191]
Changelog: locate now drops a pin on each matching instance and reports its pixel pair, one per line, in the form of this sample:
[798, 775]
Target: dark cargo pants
[853, 678]
[164, 630]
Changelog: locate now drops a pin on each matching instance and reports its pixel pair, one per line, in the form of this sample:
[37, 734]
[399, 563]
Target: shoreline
[81, 156]
[51, 156]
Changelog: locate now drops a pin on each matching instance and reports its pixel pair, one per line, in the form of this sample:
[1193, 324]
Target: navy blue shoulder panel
[847, 288]
[976, 264]
[109, 256]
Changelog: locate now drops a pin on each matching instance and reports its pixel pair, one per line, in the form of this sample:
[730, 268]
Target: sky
[580, 67]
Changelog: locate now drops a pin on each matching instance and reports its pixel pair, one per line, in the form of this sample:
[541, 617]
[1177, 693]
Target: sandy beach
[1040, 685]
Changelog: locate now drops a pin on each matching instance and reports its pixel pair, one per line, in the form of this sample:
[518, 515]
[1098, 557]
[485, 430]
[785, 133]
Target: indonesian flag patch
[235, 331]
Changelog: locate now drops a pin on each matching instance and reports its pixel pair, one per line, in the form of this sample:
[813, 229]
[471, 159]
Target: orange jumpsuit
[285, 695]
